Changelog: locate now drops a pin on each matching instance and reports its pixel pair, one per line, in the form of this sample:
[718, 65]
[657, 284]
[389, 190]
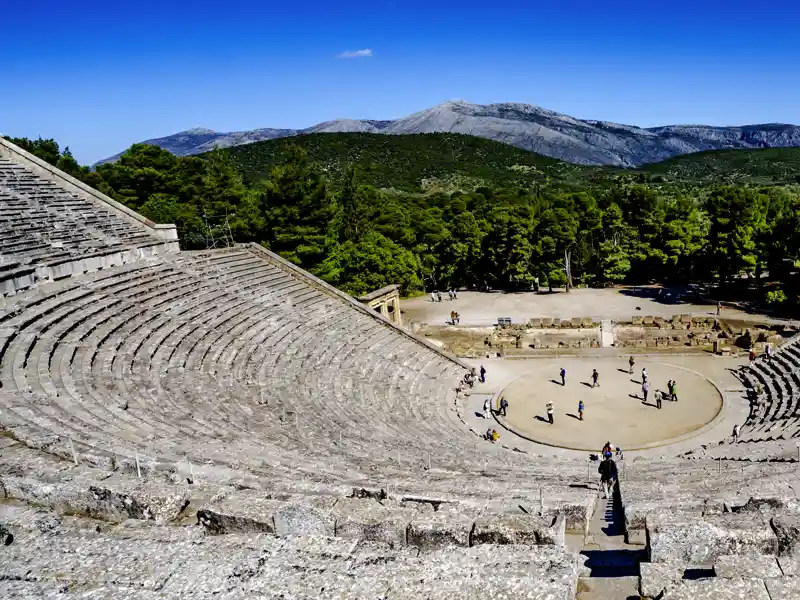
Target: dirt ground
[483, 309]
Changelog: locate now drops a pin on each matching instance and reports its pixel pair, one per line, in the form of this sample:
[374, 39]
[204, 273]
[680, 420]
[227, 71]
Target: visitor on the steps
[608, 475]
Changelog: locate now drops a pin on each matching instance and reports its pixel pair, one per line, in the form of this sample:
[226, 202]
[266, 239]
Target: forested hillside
[589, 227]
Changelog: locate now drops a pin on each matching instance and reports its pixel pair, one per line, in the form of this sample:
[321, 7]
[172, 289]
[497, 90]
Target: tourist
[752, 354]
[563, 376]
[453, 317]
[719, 306]
[433, 296]
[580, 410]
[495, 435]
[489, 434]
[608, 474]
[550, 408]
[595, 376]
[487, 408]
[644, 375]
[449, 294]
[645, 389]
[483, 374]
[768, 351]
[673, 391]
[455, 294]
[735, 433]
[458, 318]
[659, 396]
[630, 365]
[438, 296]
[503, 406]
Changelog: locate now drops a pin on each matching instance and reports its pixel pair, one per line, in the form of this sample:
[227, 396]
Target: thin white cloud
[365, 53]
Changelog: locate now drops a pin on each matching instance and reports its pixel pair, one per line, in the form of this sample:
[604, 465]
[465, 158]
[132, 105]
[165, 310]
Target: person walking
[631, 362]
[503, 406]
[580, 410]
[563, 377]
[608, 475]
[487, 408]
[550, 408]
[483, 374]
[645, 389]
[595, 376]
[735, 433]
[719, 306]
[673, 391]
[644, 376]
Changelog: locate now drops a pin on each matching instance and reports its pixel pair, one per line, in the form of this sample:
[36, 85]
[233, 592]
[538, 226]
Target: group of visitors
[436, 296]
[671, 394]
[455, 318]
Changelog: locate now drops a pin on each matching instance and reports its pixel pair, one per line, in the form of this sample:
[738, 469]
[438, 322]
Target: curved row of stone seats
[144, 561]
[48, 232]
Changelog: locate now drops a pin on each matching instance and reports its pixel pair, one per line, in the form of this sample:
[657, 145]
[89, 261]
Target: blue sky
[98, 76]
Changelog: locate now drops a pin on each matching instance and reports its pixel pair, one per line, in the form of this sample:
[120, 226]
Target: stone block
[787, 531]
[587, 322]
[370, 521]
[747, 567]
[299, 519]
[440, 530]
[536, 323]
[686, 319]
[718, 589]
[647, 321]
[556, 323]
[518, 529]
[575, 322]
[695, 540]
[636, 320]
[658, 321]
[786, 588]
[655, 578]
[547, 322]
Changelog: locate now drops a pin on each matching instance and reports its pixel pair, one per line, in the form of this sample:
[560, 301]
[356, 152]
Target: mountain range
[525, 126]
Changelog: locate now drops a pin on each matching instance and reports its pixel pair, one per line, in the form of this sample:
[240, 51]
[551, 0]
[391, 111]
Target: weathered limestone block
[535, 323]
[658, 321]
[647, 321]
[439, 530]
[587, 322]
[790, 565]
[786, 588]
[300, 519]
[695, 540]
[371, 521]
[518, 529]
[576, 322]
[747, 567]
[556, 323]
[636, 320]
[547, 322]
[686, 319]
[150, 501]
[719, 589]
[655, 578]
[787, 530]
[243, 512]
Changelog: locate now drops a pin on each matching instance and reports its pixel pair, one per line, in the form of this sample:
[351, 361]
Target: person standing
[550, 409]
[503, 406]
[735, 433]
[631, 362]
[608, 475]
[563, 377]
[487, 408]
[719, 306]
[580, 410]
[659, 395]
[644, 376]
[645, 389]
[483, 374]
[673, 392]
[595, 376]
